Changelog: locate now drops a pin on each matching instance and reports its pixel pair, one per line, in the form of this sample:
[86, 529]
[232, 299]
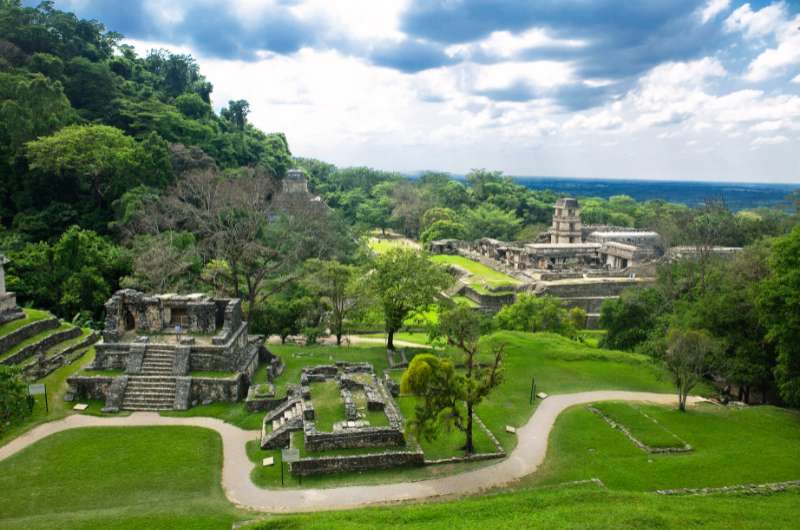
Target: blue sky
[679, 89]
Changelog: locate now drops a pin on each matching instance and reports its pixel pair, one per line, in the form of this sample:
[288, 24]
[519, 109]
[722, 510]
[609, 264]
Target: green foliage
[76, 273]
[14, 402]
[536, 313]
[404, 281]
[488, 220]
[338, 288]
[778, 302]
[630, 318]
[687, 358]
[443, 229]
[577, 317]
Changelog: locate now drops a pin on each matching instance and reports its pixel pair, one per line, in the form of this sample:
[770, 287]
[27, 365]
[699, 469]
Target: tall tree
[405, 281]
[687, 358]
[779, 308]
[442, 389]
[337, 286]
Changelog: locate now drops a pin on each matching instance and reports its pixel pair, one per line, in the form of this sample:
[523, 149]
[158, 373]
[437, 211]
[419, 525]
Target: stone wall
[47, 366]
[361, 437]
[492, 302]
[88, 387]
[25, 332]
[335, 464]
[42, 345]
[587, 288]
[209, 389]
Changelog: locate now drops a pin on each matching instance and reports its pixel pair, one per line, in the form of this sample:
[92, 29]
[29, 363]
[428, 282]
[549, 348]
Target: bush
[15, 403]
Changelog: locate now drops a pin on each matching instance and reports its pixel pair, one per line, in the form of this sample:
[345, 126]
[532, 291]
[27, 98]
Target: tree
[578, 317]
[337, 287]
[687, 358]
[630, 318]
[442, 389]
[488, 220]
[405, 281]
[777, 303]
[15, 404]
[534, 314]
[236, 113]
[443, 229]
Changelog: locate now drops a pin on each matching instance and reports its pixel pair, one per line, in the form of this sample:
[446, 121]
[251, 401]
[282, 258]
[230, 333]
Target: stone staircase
[280, 423]
[149, 393]
[154, 387]
[158, 361]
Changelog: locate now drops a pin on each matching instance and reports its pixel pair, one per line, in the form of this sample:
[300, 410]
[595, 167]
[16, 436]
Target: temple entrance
[178, 316]
[130, 321]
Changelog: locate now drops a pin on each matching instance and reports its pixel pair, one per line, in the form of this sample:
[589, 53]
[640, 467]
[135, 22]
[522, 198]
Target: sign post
[533, 389]
[37, 390]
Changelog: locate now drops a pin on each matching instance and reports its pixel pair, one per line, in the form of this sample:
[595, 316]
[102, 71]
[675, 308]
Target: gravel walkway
[523, 460]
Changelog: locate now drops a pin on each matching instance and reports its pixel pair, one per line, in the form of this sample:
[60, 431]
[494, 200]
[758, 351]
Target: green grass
[56, 386]
[328, 405]
[36, 338]
[131, 477]
[61, 346]
[640, 424]
[481, 274]
[233, 413]
[297, 357]
[382, 246]
[103, 373]
[565, 507]
[559, 366]
[465, 301]
[731, 446]
[415, 337]
[212, 374]
[31, 315]
[592, 337]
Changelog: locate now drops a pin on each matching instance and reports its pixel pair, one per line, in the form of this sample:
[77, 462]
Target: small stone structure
[157, 341]
[297, 414]
[8, 301]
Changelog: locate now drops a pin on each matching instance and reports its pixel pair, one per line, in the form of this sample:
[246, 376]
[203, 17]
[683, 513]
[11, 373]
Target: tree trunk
[469, 448]
[390, 339]
[339, 338]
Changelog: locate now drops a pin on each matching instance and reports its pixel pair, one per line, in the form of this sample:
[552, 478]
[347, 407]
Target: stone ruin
[581, 264]
[157, 341]
[8, 301]
[297, 414]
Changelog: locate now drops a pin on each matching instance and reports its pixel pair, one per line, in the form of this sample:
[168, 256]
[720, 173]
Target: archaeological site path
[524, 459]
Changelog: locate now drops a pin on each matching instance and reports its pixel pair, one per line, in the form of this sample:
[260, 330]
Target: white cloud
[506, 45]
[712, 9]
[757, 24]
[600, 121]
[796, 80]
[543, 74]
[769, 140]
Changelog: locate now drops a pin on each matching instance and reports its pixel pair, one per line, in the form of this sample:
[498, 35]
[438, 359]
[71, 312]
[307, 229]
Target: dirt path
[524, 459]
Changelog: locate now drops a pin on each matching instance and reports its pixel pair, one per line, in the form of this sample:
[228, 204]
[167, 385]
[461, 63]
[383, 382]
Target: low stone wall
[593, 287]
[25, 332]
[266, 404]
[336, 464]
[492, 302]
[10, 316]
[741, 489]
[361, 437]
[88, 387]
[209, 389]
[638, 443]
[44, 368]
[42, 345]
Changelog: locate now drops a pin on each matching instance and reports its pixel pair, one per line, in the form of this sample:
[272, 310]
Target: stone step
[139, 400]
[151, 388]
[147, 407]
[150, 378]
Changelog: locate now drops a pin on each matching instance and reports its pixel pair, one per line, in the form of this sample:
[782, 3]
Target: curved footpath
[524, 459]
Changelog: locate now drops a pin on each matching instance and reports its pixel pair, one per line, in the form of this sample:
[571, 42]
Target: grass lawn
[297, 357]
[382, 246]
[328, 405]
[560, 366]
[415, 337]
[233, 413]
[36, 338]
[731, 446]
[565, 507]
[130, 477]
[481, 274]
[592, 337]
[641, 425]
[31, 315]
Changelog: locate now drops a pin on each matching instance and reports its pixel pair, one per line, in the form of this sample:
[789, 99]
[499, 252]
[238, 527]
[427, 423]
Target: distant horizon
[415, 174]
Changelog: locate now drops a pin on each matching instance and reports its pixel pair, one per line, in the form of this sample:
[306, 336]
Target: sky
[645, 89]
